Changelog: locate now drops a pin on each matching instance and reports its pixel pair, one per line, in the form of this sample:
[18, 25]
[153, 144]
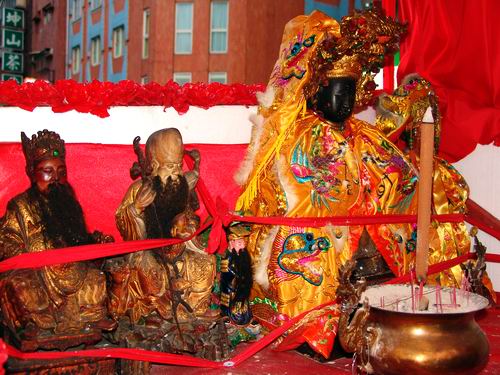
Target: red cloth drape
[454, 44]
[100, 176]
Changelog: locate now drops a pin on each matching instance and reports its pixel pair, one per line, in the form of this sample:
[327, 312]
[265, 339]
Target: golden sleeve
[130, 223]
[11, 236]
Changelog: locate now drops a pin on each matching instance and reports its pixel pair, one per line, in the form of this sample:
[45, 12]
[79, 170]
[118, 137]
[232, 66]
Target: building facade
[46, 39]
[97, 40]
[188, 41]
[225, 41]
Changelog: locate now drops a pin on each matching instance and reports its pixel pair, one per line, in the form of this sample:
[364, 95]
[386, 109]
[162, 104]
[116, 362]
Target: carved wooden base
[56, 342]
[81, 366]
[126, 367]
[203, 339]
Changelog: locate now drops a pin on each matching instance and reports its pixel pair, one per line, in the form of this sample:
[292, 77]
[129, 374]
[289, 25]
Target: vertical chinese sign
[12, 44]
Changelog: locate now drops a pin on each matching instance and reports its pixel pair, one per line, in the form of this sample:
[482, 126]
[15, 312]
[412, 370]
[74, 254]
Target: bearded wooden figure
[56, 306]
[165, 283]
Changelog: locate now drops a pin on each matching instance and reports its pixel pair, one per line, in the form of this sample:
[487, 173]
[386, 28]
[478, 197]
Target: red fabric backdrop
[100, 176]
[454, 44]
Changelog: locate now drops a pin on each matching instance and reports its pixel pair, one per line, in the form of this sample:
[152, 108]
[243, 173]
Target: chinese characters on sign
[17, 77]
[12, 62]
[12, 39]
[13, 18]
[12, 44]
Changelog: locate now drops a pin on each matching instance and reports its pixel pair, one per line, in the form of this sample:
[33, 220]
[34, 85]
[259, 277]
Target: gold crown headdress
[367, 37]
[43, 145]
[347, 66]
[238, 231]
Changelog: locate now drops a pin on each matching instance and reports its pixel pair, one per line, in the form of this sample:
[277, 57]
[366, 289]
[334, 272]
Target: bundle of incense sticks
[412, 278]
[419, 293]
[382, 302]
[453, 297]
[465, 287]
[439, 301]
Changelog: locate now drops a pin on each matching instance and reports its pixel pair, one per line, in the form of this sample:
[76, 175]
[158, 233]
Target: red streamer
[221, 218]
[86, 252]
[344, 220]
[435, 268]
[494, 258]
[122, 353]
[160, 357]
[485, 228]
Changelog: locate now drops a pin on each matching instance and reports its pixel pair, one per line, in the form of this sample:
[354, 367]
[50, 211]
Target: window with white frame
[118, 39]
[146, 17]
[219, 15]
[94, 4]
[76, 9]
[182, 77]
[183, 28]
[144, 79]
[76, 56]
[220, 77]
[95, 51]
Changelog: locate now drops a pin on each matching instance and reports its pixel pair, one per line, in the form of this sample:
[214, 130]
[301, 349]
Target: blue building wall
[74, 40]
[117, 19]
[334, 11]
[94, 30]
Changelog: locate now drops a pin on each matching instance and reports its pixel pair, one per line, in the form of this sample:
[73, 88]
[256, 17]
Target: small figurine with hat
[236, 277]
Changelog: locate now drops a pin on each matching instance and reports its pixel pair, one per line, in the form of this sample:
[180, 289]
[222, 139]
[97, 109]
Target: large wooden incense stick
[424, 196]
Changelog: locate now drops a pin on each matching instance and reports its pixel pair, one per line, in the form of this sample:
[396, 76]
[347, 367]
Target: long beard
[171, 199]
[61, 215]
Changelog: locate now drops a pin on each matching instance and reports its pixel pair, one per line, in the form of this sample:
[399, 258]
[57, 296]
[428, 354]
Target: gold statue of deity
[64, 299]
[161, 205]
[309, 157]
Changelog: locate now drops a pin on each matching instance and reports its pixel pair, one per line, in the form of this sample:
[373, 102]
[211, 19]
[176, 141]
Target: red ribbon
[217, 241]
[485, 228]
[86, 252]
[123, 353]
[494, 258]
[185, 360]
[435, 268]
[3, 356]
[344, 220]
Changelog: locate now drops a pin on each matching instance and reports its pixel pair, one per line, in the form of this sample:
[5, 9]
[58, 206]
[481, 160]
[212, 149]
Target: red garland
[97, 97]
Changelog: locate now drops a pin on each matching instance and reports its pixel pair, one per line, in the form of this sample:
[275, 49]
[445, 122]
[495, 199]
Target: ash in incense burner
[429, 330]
[426, 300]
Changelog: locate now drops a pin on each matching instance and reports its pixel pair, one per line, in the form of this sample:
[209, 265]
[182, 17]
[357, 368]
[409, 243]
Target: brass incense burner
[390, 335]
